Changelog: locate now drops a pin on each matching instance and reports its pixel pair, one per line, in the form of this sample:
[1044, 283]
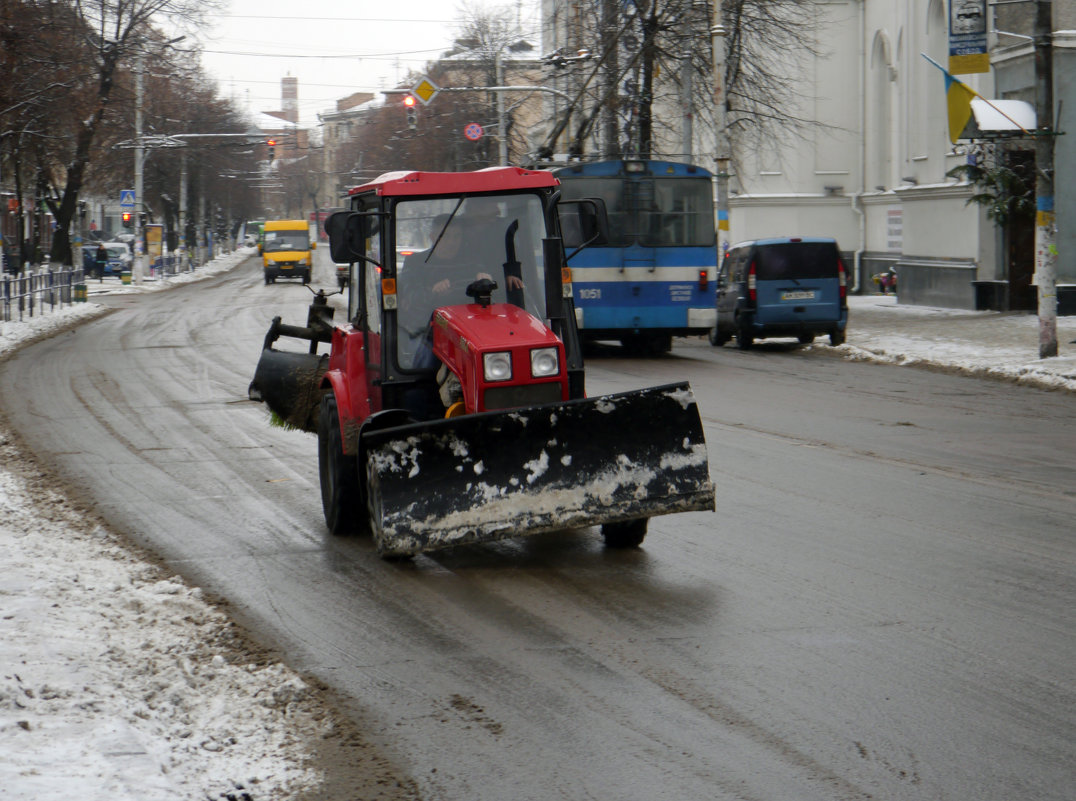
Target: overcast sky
[334, 47]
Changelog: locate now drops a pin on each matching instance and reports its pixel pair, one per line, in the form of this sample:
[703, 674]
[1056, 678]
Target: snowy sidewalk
[117, 680]
[987, 344]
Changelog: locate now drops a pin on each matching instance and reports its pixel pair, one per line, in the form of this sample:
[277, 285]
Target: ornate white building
[876, 177]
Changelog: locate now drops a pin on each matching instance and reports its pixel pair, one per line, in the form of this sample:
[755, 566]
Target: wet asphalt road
[882, 607]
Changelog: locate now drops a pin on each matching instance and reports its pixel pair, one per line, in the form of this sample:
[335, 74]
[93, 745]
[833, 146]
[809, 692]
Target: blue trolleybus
[652, 281]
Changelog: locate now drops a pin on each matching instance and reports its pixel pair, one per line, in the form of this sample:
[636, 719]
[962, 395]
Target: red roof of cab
[490, 179]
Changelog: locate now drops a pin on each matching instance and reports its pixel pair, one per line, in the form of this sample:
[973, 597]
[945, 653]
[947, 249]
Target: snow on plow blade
[495, 475]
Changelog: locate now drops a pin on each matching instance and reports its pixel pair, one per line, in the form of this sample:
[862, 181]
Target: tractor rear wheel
[340, 492]
[627, 534]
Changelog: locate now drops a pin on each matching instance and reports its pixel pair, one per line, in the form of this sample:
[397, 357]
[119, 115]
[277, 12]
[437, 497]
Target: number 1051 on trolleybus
[652, 280]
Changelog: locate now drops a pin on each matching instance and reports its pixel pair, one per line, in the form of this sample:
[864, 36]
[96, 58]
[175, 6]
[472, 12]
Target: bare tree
[113, 34]
[45, 87]
[639, 54]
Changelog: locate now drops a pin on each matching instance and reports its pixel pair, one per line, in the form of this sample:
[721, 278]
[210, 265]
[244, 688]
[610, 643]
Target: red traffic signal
[409, 101]
[126, 216]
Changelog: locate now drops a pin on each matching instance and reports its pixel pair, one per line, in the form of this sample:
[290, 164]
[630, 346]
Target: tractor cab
[448, 274]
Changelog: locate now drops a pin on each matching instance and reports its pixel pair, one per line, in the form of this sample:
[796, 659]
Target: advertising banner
[154, 236]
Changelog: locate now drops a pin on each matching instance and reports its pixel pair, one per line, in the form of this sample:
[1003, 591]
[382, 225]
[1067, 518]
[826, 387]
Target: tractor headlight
[544, 362]
[497, 366]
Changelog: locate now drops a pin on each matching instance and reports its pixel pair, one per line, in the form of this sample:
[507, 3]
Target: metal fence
[37, 293]
[163, 266]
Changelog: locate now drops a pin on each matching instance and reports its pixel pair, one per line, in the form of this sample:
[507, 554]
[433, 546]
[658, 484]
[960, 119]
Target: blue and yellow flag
[958, 97]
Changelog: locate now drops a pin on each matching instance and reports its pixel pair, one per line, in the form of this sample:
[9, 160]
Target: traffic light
[272, 150]
[127, 220]
[412, 112]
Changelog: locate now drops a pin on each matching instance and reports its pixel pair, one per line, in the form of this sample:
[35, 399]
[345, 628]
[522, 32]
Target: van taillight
[752, 286]
[843, 275]
[704, 280]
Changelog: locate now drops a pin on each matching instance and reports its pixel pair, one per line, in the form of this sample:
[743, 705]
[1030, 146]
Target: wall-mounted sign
[894, 229]
[967, 37]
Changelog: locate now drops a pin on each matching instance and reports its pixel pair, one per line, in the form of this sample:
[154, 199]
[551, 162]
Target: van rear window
[796, 260]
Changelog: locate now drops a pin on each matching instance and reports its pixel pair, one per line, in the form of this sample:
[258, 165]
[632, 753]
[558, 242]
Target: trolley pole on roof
[722, 148]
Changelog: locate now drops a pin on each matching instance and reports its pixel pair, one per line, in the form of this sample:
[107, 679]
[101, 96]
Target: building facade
[873, 172]
[870, 162]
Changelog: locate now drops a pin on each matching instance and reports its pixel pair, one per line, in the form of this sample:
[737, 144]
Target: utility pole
[1045, 221]
[722, 148]
[502, 128]
[139, 159]
[687, 105]
[182, 249]
[610, 139]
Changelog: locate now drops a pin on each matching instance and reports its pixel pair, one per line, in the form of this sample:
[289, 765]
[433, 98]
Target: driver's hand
[514, 282]
[442, 286]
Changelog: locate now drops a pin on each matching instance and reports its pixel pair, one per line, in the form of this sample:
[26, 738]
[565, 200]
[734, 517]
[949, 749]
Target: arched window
[880, 114]
[931, 138]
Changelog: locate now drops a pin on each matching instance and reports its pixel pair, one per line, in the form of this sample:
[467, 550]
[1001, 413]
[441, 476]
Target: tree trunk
[646, 91]
[76, 170]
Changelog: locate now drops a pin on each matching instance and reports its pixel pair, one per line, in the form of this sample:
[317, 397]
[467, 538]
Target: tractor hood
[500, 352]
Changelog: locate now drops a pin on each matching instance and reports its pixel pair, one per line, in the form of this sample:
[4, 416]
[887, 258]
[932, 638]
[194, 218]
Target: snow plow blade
[495, 475]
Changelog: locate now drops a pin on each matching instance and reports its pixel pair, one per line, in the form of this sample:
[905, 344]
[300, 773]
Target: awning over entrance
[998, 119]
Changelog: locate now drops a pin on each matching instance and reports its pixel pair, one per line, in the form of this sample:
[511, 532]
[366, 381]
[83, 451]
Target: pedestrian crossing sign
[127, 198]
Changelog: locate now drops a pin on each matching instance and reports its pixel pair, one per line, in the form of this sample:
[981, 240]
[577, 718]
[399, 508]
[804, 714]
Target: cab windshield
[286, 240]
[445, 244]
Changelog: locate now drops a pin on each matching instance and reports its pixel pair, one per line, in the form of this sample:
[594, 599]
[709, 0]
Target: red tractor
[450, 407]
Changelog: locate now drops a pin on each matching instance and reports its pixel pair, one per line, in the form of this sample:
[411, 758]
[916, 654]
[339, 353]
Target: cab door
[729, 290]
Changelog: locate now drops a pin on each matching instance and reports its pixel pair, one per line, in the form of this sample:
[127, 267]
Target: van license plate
[797, 296]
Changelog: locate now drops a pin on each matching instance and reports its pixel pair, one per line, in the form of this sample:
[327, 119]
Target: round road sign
[473, 131]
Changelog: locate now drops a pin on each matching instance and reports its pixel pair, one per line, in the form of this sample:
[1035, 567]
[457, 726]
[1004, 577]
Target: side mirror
[348, 232]
[584, 222]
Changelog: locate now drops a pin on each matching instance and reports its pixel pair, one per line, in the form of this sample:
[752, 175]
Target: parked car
[786, 287]
[119, 258]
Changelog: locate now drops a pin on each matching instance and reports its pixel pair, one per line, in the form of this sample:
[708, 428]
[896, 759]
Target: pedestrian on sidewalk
[100, 262]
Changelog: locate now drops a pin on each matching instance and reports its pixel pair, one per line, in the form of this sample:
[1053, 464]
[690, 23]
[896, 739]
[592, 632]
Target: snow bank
[119, 681]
